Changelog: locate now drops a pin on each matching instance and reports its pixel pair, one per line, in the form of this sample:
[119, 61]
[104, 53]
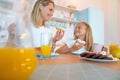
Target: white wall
[113, 21]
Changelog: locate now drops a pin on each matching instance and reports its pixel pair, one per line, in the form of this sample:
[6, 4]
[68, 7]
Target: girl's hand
[104, 49]
[77, 46]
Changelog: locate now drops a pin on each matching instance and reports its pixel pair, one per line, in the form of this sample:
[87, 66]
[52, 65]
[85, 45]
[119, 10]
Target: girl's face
[47, 11]
[80, 31]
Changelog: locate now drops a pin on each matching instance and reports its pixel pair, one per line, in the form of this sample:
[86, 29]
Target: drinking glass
[113, 47]
[46, 44]
[17, 55]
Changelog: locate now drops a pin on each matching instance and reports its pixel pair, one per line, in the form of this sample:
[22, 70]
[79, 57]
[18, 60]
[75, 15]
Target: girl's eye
[81, 27]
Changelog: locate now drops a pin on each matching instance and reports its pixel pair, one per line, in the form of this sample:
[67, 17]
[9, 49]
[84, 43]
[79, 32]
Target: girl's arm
[66, 49]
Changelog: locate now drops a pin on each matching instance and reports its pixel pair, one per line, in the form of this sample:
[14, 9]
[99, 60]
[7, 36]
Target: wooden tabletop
[74, 59]
[72, 67]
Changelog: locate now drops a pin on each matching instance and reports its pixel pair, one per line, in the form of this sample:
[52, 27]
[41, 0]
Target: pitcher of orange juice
[17, 55]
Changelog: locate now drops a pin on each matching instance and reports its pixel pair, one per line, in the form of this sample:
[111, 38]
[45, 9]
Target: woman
[82, 32]
[42, 12]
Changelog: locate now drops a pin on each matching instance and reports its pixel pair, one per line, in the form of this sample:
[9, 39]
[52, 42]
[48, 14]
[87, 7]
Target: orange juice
[112, 48]
[46, 50]
[17, 63]
[116, 53]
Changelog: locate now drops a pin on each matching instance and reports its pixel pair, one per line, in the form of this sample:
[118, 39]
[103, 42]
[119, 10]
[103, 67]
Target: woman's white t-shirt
[36, 33]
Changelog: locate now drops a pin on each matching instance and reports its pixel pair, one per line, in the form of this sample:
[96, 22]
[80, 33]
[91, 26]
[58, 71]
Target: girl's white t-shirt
[70, 43]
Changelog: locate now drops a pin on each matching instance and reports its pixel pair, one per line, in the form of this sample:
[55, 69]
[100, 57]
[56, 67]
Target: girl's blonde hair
[88, 37]
[35, 15]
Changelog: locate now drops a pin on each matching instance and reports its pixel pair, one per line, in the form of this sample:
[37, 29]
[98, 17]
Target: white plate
[99, 60]
[54, 54]
[77, 53]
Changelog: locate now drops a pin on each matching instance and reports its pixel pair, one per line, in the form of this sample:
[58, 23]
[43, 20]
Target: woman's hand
[59, 35]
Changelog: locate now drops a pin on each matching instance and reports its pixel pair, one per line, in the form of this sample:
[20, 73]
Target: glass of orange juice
[113, 47]
[114, 50]
[46, 44]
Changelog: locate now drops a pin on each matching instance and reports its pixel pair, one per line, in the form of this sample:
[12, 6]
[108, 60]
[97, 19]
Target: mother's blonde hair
[36, 13]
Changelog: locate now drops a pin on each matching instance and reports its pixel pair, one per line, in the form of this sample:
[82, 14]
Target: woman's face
[80, 31]
[47, 11]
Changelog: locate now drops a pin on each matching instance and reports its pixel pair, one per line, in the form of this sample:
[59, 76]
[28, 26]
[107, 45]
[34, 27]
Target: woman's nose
[51, 14]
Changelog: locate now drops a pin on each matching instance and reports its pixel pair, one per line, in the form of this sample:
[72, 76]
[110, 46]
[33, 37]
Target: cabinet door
[95, 18]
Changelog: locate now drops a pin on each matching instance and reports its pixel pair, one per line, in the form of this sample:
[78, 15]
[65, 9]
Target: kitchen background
[104, 14]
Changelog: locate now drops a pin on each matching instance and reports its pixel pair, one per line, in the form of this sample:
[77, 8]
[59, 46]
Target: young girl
[82, 42]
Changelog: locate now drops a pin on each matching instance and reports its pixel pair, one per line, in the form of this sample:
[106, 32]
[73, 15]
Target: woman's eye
[51, 9]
